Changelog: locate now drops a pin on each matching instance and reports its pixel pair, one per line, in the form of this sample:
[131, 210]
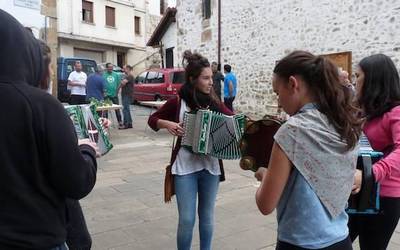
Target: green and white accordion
[213, 133]
[87, 126]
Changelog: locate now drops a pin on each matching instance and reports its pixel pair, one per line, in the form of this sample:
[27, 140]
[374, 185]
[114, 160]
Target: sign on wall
[30, 4]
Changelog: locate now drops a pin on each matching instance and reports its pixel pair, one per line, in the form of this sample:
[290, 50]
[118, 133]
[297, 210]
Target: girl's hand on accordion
[259, 174]
[175, 128]
[357, 182]
[106, 123]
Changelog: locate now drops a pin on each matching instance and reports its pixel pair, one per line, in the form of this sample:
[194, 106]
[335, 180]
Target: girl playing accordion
[311, 169]
[194, 175]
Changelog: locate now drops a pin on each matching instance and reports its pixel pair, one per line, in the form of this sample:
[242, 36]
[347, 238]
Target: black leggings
[375, 231]
[341, 245]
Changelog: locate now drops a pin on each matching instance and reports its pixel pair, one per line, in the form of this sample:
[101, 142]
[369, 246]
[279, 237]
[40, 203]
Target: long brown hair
[189, 93]
[331, 97]
[46, 57]
[381, 88]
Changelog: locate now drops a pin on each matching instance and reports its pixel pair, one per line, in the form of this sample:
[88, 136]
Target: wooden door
[342, 60]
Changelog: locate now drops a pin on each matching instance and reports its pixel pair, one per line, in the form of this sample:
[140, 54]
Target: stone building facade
[257, 33]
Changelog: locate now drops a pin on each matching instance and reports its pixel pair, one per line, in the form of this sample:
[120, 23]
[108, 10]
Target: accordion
[87, 126]
[367, 200]
[213, 133]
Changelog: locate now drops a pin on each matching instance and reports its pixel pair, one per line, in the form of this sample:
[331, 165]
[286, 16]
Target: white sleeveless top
[187, 162]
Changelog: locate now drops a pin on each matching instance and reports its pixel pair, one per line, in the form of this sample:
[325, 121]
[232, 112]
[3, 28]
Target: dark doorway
[121, 60]
[169, 57]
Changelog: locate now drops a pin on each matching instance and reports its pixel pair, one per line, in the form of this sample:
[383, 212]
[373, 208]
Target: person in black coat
[41, 164]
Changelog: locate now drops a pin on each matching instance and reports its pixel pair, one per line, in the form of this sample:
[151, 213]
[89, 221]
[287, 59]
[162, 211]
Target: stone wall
[256, 33]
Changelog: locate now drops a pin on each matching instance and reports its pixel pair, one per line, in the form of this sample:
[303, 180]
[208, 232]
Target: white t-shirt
[187, 162]
[76, 77]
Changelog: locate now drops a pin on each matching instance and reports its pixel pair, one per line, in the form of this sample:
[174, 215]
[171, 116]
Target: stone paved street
[126, 209]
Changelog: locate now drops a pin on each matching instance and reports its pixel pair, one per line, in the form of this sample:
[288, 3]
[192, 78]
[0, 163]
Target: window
[151, 77]
[141, 78]
[169, 57]
[206, 9]
[110, 16]
[178, 77]
[159, 78]
[137, 25]
[162, 7]
[87, 11]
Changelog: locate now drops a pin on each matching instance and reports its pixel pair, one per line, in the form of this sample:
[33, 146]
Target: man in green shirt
[113, 80]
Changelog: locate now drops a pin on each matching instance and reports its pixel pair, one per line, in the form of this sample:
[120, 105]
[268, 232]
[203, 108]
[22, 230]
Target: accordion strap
[178, 110]
[368, 182]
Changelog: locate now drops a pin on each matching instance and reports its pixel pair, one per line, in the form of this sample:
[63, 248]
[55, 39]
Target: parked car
[158, 84]
[64, 67]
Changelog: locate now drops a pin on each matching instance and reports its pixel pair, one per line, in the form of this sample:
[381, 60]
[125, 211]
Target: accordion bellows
[213, 133]
[87, 126]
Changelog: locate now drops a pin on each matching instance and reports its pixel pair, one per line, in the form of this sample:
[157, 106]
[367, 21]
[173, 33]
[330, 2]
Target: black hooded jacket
[40, 162]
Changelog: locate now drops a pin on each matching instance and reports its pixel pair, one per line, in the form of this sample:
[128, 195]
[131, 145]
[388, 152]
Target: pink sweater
[384, 135]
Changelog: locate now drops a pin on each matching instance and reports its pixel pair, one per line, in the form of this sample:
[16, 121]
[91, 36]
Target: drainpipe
[162, 55]
[219, 32]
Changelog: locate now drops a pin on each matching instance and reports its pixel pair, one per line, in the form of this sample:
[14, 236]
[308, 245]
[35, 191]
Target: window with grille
[110, 16]
[87, 11]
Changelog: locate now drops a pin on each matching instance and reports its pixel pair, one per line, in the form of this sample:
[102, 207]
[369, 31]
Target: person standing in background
[95, 85]
[230, 85]
[126, 93]
[113, 81]
[218, 77]
[378, 95]
[77, 84]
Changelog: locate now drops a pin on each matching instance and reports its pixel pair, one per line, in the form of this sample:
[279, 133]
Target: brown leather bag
[169, 189]
[169, 185]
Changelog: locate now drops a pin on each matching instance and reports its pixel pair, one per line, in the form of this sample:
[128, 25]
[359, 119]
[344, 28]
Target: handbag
[169, 186]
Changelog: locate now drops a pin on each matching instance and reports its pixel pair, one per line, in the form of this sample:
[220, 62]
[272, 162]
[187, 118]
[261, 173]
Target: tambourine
[257, 141]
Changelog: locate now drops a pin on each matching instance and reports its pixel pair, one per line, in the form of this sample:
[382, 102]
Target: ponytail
[332, 97]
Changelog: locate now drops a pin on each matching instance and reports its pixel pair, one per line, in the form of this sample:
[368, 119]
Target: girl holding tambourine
[311, 168]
